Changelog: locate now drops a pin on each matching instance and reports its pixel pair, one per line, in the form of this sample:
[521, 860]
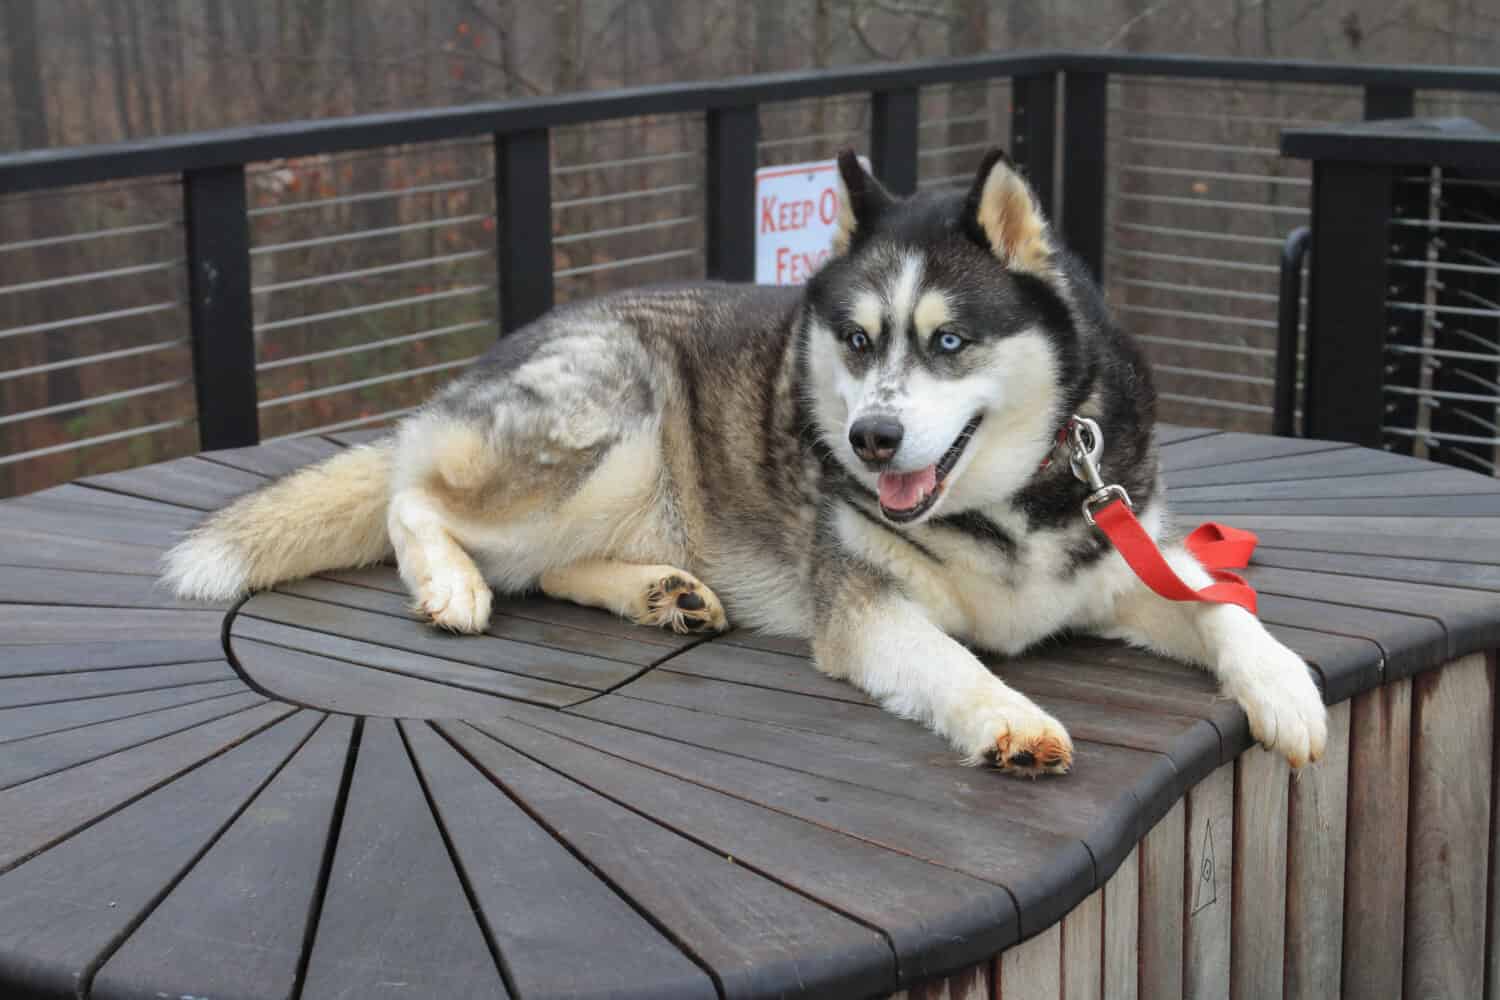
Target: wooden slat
[1258, 925]
[29, 759]
[40, 689]
[1207, 882]
[1230, 448]
[34, 548]
[628, 647]
[1426, 508]
[27, 624]
[395, 910]
[1408, 642]
[1347, 461]
[275, 458]
[240, 915]
[361, 436]
[1375, 867]
[85, 657]
[757, 937]
[374, 680]
[57, 716]
[1345, 664]
[186, 482]
[976, 983]
[154, 525]
[409, 634]
[1316, 816]
[1168, 435]
[1083, 950]
[1376, 537]
[1448, 842]
[559, 929]
[1478, 576]
[1122, 945]
[1032, 970]
[92, 588]
[1051, 871]
[1421, 482]
[747, 665]
[937, 920]
[1162, 856]
[62, 911]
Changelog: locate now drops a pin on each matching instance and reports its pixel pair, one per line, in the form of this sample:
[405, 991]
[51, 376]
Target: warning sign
[797, 211]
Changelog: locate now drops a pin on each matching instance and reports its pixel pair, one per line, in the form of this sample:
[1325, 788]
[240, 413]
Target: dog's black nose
[875, 439]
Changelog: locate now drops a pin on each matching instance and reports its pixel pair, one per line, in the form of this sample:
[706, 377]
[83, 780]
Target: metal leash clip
[1085, 446]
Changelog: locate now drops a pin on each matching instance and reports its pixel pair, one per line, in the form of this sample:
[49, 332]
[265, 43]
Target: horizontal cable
[1223, 404]
[1446, 310]
[410, 300]
[1172, 258]
[802, 140]
[1199, 234]
[1441, 352]
[1266, 324]
[604, 199]
[1434, 437]
[1171, 286]
[571, 272]
[99, 439]
[366, 272]
[1207, 147]
[77, 279]
[1429, 394]
[1481, 227]
[967, 147]
[1197, 345]
[104, 317]
[344, 425]
[1238, 206]
[1217, 376]
[1221, 117]
[374, 345]
[640, 227]
[95, 234]
[629, 161]
[81, 404]
[350, 199]
[365, 234]
[363, 383]
[1217, 175]
[1441, 265]
[88, 359]
[973, 119]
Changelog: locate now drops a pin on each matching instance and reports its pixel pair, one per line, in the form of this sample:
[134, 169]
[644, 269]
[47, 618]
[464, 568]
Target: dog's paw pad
[1041, 747]
[684, 604]
[455, 601]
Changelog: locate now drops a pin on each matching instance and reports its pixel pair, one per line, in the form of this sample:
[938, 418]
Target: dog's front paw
[1276, 690]
[683, 603]
[1015, 736]
[455, 598]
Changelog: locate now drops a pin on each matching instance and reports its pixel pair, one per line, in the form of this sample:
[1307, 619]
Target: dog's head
[940, 340]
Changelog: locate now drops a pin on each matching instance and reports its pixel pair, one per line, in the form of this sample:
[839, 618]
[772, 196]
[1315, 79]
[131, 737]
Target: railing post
[1346, 333]
[523, 203]
[1389, 102]
[220, 313]
[893, 139]
[1085, 136]
[732, 156]
[1033, 133]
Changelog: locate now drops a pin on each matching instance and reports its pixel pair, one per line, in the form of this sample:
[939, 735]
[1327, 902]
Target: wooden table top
[312, 791]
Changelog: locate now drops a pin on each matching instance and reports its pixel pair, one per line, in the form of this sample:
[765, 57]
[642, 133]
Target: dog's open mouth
[906, 496]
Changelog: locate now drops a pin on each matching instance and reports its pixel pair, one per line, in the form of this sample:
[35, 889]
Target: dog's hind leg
[646, 594]
[445, 584]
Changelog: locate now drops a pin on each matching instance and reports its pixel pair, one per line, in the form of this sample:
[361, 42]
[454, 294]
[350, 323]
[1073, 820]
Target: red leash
[1218, 547]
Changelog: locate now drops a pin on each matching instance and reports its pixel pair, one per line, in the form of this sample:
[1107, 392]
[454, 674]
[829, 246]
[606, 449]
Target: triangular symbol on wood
[1206, 893]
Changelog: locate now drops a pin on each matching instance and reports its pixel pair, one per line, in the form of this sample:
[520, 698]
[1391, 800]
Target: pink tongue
[904, 490]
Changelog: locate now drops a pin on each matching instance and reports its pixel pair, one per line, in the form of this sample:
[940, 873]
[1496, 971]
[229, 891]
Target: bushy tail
[327, 516]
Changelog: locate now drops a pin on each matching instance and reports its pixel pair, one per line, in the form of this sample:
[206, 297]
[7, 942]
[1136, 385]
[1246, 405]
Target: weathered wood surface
[317, 794]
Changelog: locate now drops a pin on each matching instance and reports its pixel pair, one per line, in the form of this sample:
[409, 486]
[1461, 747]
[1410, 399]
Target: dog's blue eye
[947, 342]
[859, 341]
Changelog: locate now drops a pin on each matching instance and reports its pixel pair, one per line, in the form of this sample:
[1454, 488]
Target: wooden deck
[313, 794]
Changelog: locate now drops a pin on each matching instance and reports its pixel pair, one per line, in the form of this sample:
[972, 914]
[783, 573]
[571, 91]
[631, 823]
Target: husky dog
[865, 462]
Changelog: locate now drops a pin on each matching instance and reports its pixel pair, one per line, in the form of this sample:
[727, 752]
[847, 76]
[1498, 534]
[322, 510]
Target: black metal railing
[1403, 336]
[1183, 224]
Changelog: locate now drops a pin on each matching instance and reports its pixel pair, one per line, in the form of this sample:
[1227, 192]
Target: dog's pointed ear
[1003, 214]
[861, 201]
